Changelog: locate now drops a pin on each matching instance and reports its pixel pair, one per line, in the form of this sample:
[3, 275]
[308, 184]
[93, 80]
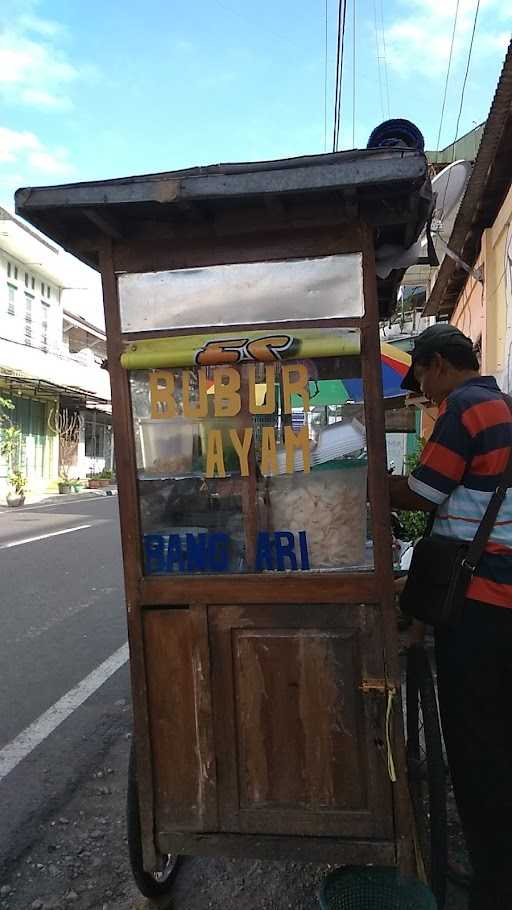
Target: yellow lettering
[294, 441]
[298, 386]
[227, 394]
[268, 452]
[242, 448]
[200, 408]
[161, 395]
[215, 455]
[269, 405]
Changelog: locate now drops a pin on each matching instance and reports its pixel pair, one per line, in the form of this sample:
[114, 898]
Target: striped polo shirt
[459, 470]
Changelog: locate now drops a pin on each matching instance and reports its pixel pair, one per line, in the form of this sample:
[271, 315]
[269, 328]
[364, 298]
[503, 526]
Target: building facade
[50, 359]
[477, 296]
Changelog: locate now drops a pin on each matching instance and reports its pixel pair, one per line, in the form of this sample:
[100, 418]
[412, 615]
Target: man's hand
[402, 497]
[399, 584]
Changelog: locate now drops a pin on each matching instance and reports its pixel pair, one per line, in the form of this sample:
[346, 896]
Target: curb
[55, 499]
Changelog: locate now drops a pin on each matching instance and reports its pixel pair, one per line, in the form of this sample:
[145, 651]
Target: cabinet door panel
[299, 746]
[180, 718]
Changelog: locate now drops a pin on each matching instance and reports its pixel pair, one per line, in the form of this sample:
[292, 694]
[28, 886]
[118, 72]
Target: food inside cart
[254, 467]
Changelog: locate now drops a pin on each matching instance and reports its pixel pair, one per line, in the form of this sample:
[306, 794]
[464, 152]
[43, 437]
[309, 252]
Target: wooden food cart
[261, 616]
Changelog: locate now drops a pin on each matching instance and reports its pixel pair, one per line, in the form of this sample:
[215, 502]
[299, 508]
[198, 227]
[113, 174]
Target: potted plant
[101, 479]
[10, 449]
[64, 483]
[67, 427]
[17, 488]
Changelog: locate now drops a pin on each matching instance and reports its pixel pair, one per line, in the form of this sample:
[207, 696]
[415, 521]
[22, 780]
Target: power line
[468, 63]
[466, 76]
[448, 73]
[342, 18]
[354, 36]
[377, 52]
[384, 55]
[325, 74]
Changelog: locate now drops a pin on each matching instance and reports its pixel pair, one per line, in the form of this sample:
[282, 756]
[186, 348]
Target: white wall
[45, 299]
[55, 363]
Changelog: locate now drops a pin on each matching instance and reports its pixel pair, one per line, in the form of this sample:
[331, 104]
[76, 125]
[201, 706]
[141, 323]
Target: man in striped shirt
[459, 470]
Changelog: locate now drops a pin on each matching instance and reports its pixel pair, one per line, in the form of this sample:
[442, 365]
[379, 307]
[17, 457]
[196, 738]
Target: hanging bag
[442, 567]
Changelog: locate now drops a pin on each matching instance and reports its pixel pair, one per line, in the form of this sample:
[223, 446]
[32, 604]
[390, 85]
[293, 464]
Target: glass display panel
[255, 293]
[252, 467]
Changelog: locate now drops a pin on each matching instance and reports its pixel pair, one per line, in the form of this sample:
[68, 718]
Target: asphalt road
[62, 617]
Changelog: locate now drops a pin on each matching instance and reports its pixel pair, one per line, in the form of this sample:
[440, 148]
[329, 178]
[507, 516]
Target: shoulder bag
[442, 567]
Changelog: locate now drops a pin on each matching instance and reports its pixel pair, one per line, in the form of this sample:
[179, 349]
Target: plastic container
[363, 888]
[329, 504]
[166, 446]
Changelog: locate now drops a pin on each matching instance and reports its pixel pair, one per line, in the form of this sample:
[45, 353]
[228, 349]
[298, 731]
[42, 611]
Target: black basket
[372, 888]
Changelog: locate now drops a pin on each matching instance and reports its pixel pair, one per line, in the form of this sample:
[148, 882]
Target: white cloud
[45, 100]
[54, 163]
[34, 69]
[13, 144]
[419, 41]
[27, 152]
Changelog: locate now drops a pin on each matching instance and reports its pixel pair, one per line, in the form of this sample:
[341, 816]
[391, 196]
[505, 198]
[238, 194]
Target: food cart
[240, 302]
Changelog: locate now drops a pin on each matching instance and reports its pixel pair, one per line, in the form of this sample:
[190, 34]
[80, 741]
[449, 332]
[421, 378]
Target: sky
[92, 89]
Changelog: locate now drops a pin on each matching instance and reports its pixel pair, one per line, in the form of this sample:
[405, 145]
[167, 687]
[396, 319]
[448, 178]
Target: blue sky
[92, 89]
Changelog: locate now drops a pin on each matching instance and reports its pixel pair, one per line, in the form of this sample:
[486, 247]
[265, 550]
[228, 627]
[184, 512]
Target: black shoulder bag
[442, 567]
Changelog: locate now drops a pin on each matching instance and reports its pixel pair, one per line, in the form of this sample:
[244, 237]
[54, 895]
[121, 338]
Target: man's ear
[440, 363]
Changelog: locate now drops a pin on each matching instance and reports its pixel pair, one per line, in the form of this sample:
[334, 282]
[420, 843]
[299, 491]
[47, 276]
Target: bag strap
[478, 544]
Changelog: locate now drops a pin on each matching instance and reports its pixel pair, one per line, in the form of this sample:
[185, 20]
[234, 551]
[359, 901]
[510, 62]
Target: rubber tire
[427, 766]
[146, 883]
[405, 130]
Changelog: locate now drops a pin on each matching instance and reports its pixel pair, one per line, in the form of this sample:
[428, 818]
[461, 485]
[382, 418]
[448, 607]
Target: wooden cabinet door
[300, 749]
[180, 719]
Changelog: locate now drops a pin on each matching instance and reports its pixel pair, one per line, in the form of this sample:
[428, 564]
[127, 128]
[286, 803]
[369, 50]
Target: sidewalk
[50, 498]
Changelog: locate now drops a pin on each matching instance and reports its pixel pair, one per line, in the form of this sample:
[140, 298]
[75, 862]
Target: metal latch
[373, 685]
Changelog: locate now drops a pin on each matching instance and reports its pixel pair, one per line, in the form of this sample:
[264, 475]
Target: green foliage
[105, 474]
[415, 523]
[10, 446]
[18, 482]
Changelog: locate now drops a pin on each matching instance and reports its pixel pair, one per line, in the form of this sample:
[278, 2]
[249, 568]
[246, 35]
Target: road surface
[62, 656]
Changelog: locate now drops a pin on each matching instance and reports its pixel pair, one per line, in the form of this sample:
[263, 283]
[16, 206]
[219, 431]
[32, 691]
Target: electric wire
[466, 76]
[354, 41]
[342, 19]
[461, 105]
[455, 18]
[378, 57]
[384, 56]
[325, 73]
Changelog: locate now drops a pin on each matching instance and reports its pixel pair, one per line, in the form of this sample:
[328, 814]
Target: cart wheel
[426, 770]
[151, 885]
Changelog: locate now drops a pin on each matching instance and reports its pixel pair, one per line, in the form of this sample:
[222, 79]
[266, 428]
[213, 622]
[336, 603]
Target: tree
[67, 427]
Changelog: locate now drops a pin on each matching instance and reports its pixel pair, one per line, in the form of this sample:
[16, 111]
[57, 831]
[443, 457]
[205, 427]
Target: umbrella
[324, 392]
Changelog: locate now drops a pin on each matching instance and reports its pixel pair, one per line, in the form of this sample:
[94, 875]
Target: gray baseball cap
[433, 340]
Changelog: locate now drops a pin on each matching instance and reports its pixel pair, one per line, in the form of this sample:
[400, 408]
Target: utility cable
[354, 41]
[448, 73]
[325, 73]
[466, 77]
[342, 18]
[468, 63]
[384, 55]
[377, 52]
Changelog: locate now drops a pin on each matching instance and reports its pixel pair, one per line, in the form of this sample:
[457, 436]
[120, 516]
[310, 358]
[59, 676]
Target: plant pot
[99, 483]
[64, 488]
[14, 500]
